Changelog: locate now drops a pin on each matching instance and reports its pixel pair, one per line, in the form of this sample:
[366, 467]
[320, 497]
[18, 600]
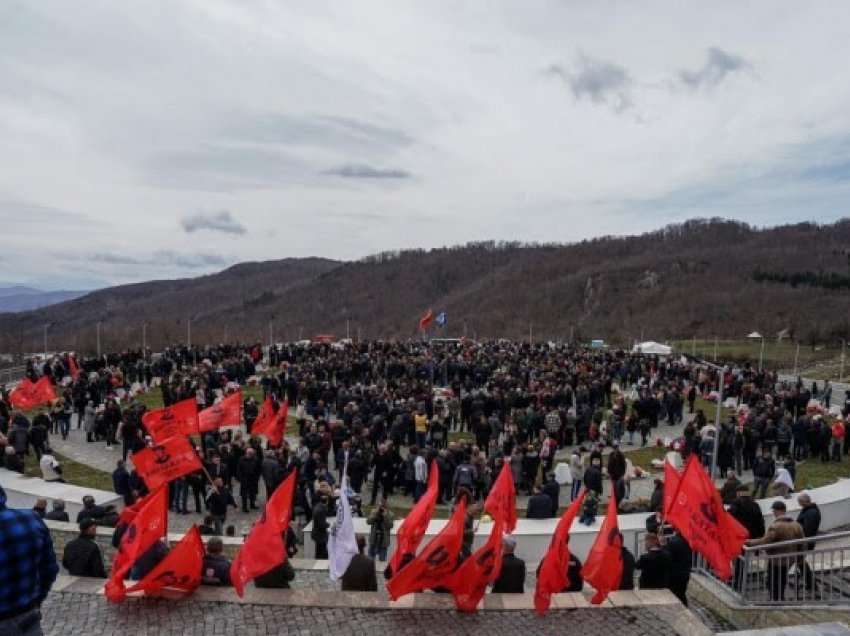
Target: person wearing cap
[90, 510]
[82, 556]
[58, 513]
[809, 519]
[511, 579]
[783, 528]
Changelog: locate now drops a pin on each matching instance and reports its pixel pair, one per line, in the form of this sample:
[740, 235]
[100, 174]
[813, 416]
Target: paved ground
[71, 614]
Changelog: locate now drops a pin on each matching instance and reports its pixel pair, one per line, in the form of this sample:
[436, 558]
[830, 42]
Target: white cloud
[307, 118]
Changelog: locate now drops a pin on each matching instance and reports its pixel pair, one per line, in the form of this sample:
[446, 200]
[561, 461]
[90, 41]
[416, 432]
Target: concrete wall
[22, 492]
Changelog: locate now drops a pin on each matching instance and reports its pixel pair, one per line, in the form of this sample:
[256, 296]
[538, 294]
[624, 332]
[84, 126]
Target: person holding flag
[342, 544]
[605, 566]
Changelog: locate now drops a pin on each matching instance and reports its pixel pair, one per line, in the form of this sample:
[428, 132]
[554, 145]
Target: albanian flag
[227, 412]
[501, 502]
[604, 566]
[469, 582]
[265, 548]
[671, 486]
[552, 577]
[73, 367]
[180, 570]
[271, 424]
[435, 563]
[28, 395]
[414, 525]
[171, 459]
[177, 419]
[697, 511]
[149, 524]
[426, 320]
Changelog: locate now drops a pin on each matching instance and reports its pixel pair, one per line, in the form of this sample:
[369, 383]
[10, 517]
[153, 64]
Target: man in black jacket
[82, 555]
[360, 575]
[809, 519]
[748, 513]
[627, 580]
[216, 566]
[654, 565]
[121, 482]
[552, 490]
[539, 506]
[248, 472]
[511, 579]
[681, 559]
[58, 513]
[319, 532]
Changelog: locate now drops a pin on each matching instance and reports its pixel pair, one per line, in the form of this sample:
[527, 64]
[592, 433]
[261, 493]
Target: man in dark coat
[360, 575]
[553, 490]
[681, 559]
[809, 519]
[82, 555]
[319, 532]
[511, 579]
[539, 506]
[627, 580]
[121, 482]
[748, 513]
[248, 472]
[654, 565]
[216, 566]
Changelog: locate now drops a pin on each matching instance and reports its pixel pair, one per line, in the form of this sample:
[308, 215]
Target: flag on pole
[178, 419]
[179, 571]
[73, 367]
[552, 577]
[442, 319]
[271, 424]
[227, 412]
[171, 459]
[501, 502]
[28, 394]
[426, 320]
[342, 544]
[414, 525]
[603, 568]
[469, 582]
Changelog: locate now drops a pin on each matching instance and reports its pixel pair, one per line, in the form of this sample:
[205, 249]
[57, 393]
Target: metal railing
[11, 375]
[799, 572]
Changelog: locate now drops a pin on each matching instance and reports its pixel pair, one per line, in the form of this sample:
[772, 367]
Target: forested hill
[701, 278]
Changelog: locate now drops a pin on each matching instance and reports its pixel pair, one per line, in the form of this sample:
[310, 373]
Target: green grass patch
[813, 473]
[74, 472]
[643, 456]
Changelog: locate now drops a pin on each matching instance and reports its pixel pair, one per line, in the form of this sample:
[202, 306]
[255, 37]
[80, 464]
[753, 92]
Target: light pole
[45, 341]
[715, 348]
[796, 359]
[144, 341]
[98, 339]
[843, 345]
[761, 355]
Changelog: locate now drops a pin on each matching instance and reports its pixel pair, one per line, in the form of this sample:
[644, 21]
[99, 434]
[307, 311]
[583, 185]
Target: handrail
[805, 541]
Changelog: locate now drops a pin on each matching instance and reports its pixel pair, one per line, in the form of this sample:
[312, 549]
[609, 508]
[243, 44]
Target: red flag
[469, 582]
[698, 513]
[73, 367]
[501, 502]
[180, 570]
[265, 548]
[149, 524]
[414, 525]
[28, 395]
[129, 512]
[177, 419]
[552, 576]
[436, 561]
[671, 486]
[603, 568]
[426, 319]
[172, 458]
[227, 412]
[271, 424]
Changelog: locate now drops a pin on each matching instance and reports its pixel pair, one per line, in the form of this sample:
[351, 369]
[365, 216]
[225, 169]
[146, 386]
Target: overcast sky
[146, 139]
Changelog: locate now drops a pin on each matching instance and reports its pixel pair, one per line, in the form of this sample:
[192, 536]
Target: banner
[177, 419]
[179, 571]
[227, 412]
[172, 458]
[342, 544]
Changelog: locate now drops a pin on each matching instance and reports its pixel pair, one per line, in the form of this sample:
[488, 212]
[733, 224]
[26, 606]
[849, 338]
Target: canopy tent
[755, 335]
[652, 348]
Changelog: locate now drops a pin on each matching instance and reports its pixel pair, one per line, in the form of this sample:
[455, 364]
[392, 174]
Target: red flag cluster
[695, 509]
[265, 547]
[552, 577]
[271, 424]
[414, 525]
[28, 394]
[177, 419]
[228, 412]
[170, 459]
[179, 571]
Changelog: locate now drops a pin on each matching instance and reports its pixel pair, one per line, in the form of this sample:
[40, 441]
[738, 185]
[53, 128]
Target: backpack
[464, 476]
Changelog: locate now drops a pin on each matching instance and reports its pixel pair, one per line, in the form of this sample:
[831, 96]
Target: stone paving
[69, 614]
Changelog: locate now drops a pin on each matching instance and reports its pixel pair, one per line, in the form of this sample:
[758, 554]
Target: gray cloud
[717, 66]
[362, 171]
[215, 221]
[602, 82]
[160, 258]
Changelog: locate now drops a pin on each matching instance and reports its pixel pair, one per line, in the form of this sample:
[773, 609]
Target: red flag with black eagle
[179, 571]
[501, 502]
[178, 419]
[603, 568]
[148, 525]
[73, 367]
[265, 548]
[28, 394]
[227, 412]
[469, 582]
[161, 463]
[414, 525]
[438, 559]
[552, 577]
[696, 510]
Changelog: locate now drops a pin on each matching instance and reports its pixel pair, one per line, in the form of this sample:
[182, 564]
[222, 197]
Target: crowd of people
[385, 411]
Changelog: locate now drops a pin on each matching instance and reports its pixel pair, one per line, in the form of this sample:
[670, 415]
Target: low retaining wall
[22, 492]
[710, 594]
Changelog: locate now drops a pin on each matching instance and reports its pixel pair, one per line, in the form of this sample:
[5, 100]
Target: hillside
[700, 278]
[21, 298]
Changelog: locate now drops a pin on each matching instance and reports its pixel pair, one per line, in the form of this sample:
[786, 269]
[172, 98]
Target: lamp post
[843, 346]
[98, 339]
[45, 341]
[144, 341]
[761, 355]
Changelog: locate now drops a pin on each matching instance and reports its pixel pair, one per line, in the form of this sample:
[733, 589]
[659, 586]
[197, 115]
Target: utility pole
[761, 355]
[796, 359]
[189, 332]
[271, 333]
[98, 339]
[694, 346]
[45, 342]
[843, 345]
[715, 348]
[144, 341]
[530, 334]
[348, 329]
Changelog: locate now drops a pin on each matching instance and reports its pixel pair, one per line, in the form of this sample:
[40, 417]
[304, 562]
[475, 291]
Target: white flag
[342, 544]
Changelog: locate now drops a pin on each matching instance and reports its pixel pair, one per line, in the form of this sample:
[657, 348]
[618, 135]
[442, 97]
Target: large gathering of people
[386, 411]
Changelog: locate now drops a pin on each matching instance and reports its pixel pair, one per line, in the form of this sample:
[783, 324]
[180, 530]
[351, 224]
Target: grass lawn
[73, 472]
[813, 473]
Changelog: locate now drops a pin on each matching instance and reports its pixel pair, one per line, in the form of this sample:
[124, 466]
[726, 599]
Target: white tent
[755, 335]
[652, 348]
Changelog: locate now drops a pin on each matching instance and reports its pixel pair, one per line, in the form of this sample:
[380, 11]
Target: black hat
[777, 505]
[87, 523]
